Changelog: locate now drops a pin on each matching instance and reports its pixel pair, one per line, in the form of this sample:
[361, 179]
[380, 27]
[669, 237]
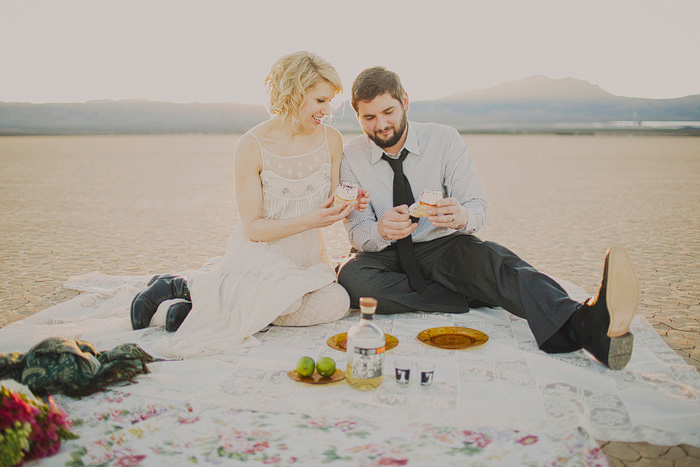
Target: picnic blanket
[502, 389]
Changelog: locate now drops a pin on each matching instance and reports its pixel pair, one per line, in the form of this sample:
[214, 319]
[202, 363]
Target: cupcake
[345, 193]
[428, 199]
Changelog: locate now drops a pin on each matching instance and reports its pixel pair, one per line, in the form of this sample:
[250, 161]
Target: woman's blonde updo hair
[289, 80]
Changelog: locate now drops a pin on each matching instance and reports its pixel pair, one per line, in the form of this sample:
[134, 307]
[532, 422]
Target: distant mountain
[535, 88]
[127, 117]
[536, 102]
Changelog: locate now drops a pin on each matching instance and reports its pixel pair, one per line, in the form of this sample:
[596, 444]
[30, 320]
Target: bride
[275, 269]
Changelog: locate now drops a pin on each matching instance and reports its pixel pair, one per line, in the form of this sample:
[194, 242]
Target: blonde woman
[275, 269]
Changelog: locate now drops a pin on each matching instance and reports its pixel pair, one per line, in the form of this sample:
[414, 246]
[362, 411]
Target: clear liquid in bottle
[365, 350]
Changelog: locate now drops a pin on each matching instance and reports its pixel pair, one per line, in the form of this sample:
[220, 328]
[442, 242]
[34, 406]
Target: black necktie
[404, 195]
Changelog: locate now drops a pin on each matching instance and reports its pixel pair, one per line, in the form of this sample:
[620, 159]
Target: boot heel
[620, 351]
[176, 315]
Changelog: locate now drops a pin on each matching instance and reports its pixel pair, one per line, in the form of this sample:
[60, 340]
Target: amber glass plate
[339, 375]
[451, 337]
[340, 341]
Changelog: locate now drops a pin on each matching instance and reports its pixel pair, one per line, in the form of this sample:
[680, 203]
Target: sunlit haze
[221, 51]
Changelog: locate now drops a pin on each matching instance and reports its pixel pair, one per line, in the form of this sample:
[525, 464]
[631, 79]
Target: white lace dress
[287, 282]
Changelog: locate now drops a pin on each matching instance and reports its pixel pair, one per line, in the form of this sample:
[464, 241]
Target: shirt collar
[411, 144]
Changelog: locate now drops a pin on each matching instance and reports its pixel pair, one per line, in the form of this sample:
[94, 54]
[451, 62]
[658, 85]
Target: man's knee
[346, 273]
[358, 271]
[360, 278]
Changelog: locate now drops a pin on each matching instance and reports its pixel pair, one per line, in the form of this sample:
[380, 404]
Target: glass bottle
[365, 350]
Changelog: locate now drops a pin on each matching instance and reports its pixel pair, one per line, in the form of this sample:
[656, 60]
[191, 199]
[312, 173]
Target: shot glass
[403, 371]
[426, 371]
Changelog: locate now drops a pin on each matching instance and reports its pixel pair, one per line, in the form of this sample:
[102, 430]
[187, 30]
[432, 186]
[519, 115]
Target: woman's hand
[327, 214]
[362, 199]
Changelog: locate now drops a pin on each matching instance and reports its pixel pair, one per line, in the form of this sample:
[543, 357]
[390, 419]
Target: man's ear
[405, 101]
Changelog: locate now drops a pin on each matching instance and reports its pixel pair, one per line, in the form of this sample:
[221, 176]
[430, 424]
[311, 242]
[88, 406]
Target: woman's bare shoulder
[335, 139]
[247, 150]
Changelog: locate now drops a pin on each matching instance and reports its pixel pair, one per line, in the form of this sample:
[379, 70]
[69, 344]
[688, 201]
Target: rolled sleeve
[463, 182]
[362, 229]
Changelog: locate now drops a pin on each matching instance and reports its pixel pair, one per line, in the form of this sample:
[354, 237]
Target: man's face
[383, 119]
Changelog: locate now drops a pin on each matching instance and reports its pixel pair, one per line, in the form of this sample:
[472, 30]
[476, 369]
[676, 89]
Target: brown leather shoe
[610, 313]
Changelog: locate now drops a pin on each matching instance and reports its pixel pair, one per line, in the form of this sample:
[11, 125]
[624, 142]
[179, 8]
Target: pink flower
[188, 421]
[527, 440]
[476, 438]
[345, 425]
[271, 460]
[130, 460]
[390, 461]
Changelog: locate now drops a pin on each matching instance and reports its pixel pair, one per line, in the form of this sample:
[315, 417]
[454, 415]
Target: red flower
[390, 461]
[130, 460]
[261, 446]
[13, 408]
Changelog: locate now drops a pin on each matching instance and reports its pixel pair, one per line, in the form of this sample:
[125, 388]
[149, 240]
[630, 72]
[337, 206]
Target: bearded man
[436, 263]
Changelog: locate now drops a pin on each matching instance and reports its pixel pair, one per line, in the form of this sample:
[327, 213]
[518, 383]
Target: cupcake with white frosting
[345, 193]
[428, 199]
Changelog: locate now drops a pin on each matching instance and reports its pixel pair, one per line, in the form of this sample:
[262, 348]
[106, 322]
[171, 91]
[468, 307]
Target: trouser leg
[379, 275]
[491, 273]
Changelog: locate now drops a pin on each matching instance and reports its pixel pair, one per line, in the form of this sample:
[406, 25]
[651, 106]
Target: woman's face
[316, 104]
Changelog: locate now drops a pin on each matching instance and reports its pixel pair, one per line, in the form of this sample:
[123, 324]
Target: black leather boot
[176, 315]
[161, 288]
[602, 323]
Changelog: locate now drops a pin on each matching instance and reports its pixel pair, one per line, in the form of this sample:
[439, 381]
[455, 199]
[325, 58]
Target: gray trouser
[463, 270]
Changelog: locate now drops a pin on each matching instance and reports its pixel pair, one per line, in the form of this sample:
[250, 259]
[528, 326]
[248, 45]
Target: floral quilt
[117, 428]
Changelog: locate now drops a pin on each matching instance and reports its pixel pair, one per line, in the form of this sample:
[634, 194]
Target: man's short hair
[373, 82]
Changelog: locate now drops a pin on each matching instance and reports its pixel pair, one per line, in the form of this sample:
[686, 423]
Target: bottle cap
[368, 305]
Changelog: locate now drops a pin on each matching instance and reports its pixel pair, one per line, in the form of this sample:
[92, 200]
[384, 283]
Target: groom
[436, 263]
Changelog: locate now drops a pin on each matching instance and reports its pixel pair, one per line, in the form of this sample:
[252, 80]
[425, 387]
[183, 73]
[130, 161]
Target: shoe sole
[622, 294]
[620, 351]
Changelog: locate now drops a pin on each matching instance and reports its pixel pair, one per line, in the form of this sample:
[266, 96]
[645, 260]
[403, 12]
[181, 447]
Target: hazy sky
[216, 51]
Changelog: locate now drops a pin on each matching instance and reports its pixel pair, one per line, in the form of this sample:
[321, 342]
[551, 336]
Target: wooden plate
[340, 341]
[452, 337]
[339, 375]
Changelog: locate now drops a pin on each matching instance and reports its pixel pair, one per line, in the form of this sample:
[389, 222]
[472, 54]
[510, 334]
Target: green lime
[325, 366]
[305, 366]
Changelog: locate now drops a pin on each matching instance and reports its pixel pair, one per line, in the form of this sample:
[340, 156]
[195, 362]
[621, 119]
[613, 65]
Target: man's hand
[395, 224]
[454, 215]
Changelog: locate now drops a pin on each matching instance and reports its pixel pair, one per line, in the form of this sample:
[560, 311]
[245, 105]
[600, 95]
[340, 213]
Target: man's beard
[398, 133]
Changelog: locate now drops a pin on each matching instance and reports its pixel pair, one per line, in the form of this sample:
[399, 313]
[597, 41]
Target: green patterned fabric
[74, 368]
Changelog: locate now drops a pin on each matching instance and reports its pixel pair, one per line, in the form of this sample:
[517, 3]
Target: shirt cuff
[377, 239]
[471, 226]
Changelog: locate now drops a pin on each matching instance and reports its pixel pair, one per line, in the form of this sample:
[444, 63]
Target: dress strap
[256, 139]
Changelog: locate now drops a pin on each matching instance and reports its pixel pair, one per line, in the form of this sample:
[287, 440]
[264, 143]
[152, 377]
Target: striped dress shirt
[438, 159]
